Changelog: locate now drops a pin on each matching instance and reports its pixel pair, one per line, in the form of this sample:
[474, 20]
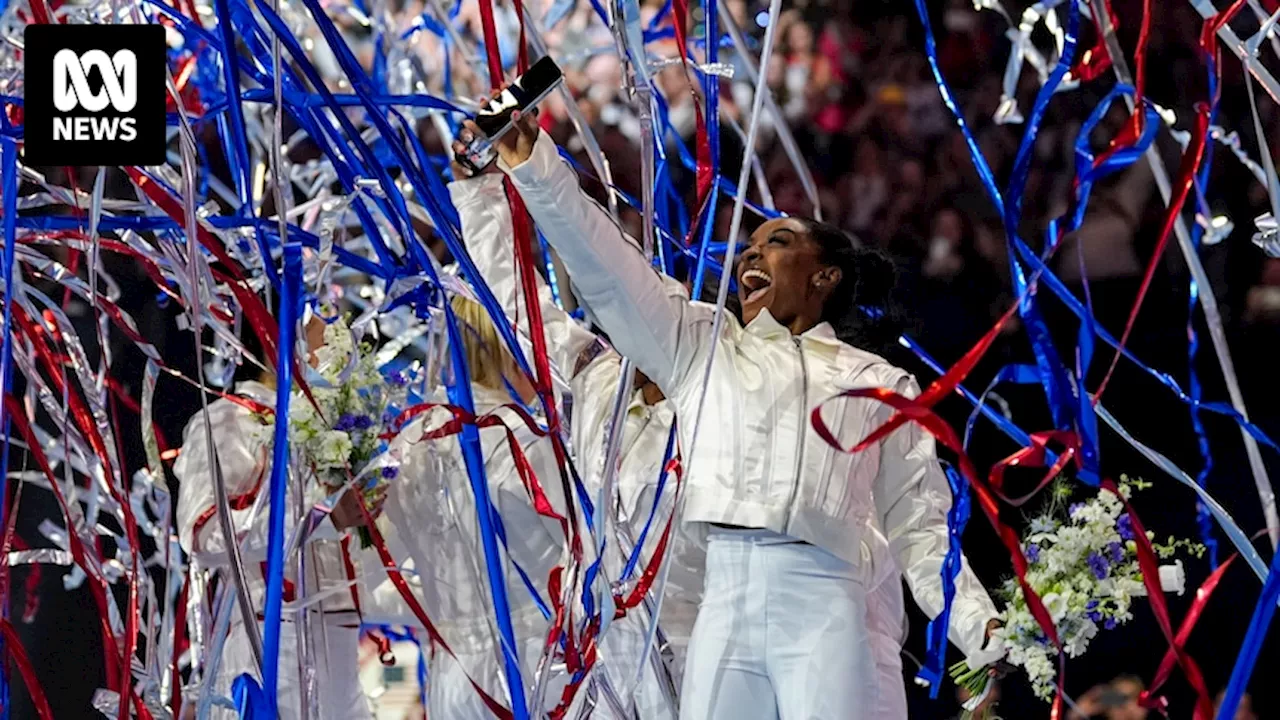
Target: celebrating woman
[593, 371]
[432, 511]
[243, 448]
[782, 630]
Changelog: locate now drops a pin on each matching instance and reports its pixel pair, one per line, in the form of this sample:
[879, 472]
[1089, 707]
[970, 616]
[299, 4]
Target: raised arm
[912, 499]
[487, 231]
[648, 321]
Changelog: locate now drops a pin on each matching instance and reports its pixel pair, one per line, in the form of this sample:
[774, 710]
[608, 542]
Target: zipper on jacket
[804, 420]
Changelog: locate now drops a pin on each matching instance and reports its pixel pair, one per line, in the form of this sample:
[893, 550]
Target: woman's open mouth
[756, 284]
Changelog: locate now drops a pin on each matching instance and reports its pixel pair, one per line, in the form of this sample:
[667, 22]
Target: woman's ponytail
[863, 308]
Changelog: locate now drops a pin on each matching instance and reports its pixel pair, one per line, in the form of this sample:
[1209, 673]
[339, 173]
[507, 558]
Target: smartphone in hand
[495, 117]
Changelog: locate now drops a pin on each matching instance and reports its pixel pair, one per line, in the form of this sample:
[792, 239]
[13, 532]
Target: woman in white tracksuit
[243, 447]
[486, 228]
[432, 515]
[782, 632]
[593, 371]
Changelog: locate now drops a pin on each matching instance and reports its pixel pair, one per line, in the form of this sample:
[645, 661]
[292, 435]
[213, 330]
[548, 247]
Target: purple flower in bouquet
[345, 422]
[1075, 508]
[1098, 565]
[1124, 526]
[1092, 610]
[1110, 623]
[1033, 553]
[1115, 552]
[390, 472]
[362, 422]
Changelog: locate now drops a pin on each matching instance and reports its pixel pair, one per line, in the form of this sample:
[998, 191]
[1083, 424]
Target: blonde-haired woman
[593, 370]
[433, 516]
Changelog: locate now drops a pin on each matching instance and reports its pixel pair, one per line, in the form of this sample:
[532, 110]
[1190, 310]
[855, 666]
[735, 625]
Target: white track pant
[781, 634]
[336, 654]
[885, 622]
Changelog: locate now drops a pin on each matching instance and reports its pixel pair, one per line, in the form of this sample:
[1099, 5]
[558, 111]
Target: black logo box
[41, 43]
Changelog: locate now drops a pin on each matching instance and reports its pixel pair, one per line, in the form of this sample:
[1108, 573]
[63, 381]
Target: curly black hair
[863, 309]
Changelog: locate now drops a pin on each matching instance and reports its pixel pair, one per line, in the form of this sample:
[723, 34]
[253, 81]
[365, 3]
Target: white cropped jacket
[759, 463]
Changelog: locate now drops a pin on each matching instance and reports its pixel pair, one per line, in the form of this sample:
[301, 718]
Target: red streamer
[705, 178]
[1151, 579]
[97, 586]
[34, 689]
[397, 579]
[88, 426]
[1186, 178]
[915, 411]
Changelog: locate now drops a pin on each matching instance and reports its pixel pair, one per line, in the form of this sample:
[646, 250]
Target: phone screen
[528, 90]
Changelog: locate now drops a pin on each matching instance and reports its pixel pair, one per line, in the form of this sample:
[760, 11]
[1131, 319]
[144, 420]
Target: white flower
[1043, 525]
[1173, 578]
[1057, 605]
[333, 449]
[1063, 570]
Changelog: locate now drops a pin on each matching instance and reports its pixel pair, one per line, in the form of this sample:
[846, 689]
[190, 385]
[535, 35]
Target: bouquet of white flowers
[337, 438]
[1083, 563]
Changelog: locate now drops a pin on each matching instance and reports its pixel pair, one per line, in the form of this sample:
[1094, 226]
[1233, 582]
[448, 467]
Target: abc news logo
[95, 95]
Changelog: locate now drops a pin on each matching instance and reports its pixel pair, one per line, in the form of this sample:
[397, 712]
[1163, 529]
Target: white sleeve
[242, 462]
[647, 320]
[912, 499]
[488, 232]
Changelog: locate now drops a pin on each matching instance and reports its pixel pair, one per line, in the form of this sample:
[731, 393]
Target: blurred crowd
[852, 82]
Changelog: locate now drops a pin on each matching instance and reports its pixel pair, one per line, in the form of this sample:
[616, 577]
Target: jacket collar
[637, 404]
[766, 328]
[256, 392]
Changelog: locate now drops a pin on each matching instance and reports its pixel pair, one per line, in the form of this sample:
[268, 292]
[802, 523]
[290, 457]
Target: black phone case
[494, 118]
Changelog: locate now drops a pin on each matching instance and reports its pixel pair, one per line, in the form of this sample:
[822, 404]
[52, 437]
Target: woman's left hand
[1000, 668]
[348, 513]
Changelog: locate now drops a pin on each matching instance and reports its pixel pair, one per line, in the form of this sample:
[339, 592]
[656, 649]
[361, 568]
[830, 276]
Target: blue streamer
[553, 280]
[501, 530]
[936, 647]
[1203, 518]
[459, 392]
[308, 110]
[9, 186]
[708, 221]
[1017, 374]
[290, 297]
[948, 98]
[1252, 645]
[1117, 161]
[235, 143]
[711, 85]
[634, 559]
[250, 701]
[1066, 411]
